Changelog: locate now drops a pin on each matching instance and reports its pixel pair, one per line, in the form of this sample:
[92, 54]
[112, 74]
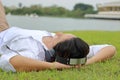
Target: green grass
[108, 70]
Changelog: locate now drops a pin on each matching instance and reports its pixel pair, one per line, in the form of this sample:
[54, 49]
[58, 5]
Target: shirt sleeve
[25, 46]
[5, 64]
[95, 48]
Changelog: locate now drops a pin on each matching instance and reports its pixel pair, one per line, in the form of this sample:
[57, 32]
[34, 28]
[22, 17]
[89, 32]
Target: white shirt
[16, 41]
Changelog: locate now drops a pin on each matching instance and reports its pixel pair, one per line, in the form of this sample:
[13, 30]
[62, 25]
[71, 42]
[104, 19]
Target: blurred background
[64, 15]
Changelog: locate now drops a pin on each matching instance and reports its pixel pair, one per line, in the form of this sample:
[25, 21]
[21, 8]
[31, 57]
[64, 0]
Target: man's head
[71, 47]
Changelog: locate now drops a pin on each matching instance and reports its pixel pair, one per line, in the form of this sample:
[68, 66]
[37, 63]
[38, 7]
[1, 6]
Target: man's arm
[21, 63]
[3, 22]
[103, 54]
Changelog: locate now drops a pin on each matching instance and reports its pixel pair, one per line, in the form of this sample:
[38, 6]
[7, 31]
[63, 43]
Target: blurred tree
[79, 10]
[83, 7]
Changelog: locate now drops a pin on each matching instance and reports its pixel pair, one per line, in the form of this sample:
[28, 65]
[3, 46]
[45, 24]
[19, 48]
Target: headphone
[51, 56]
[71, 61]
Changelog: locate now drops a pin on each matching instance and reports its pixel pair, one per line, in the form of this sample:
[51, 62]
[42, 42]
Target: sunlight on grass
[108, 70]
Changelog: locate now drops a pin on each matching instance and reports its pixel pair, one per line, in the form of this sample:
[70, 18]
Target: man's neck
[48, 41]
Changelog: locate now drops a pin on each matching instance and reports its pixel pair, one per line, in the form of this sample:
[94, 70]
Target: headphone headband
[71, 61]
[74, 61]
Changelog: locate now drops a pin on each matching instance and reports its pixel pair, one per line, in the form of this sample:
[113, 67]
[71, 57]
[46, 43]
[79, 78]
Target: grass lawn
[108, 70]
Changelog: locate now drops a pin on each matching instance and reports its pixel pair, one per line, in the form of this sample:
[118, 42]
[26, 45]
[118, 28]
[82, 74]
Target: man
[27, 50]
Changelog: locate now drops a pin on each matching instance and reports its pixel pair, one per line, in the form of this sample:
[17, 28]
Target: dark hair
[72, 48]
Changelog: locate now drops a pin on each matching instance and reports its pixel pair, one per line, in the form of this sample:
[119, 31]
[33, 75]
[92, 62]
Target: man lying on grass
[36, 50]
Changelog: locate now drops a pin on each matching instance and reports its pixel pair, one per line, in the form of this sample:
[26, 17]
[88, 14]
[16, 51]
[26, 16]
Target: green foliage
[37, 9]
[26, 10]
[83, 7]
[78, 13]
[54, 11]
[7, 10]
[79, 10]
[107, 70]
